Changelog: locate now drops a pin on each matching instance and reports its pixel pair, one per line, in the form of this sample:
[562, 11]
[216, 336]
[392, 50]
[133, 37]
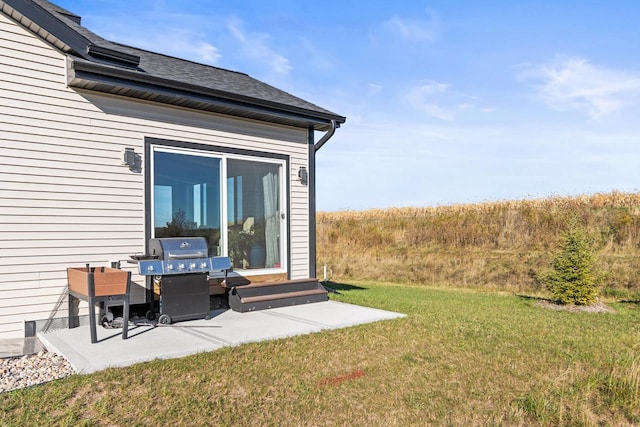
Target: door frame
[284, 159]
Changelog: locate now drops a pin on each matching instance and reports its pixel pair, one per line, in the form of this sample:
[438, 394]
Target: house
[104, 146]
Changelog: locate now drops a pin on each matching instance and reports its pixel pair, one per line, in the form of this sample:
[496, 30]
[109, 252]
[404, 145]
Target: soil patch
[598, 307]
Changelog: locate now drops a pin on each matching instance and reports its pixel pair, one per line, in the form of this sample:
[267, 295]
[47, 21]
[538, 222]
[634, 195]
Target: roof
[100, 65]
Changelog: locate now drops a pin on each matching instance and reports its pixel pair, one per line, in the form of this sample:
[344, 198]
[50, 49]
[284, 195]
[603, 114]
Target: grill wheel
[164, 319]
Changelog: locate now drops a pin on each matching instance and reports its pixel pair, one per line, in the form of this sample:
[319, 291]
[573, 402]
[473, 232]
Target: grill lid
[179, 247]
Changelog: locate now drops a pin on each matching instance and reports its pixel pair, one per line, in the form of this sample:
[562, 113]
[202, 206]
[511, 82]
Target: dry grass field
[499, 245]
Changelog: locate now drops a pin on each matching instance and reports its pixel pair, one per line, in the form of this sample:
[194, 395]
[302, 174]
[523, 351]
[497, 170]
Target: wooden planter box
[98, 285]
[106, 281]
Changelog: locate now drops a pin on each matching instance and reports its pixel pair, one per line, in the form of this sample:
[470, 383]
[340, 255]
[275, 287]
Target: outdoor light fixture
[303, 175]
[129, 157]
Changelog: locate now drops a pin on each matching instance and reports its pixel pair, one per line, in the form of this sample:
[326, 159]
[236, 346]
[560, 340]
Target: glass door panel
[253, 214]
[187, 197]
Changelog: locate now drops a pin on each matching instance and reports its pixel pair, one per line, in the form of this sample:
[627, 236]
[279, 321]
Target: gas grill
[179, 268]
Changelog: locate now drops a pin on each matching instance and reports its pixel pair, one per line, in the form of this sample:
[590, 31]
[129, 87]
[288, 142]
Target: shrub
[575, 277]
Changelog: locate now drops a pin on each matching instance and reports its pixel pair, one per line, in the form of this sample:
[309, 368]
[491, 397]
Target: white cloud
[256, 46]
[575, 84]
[428, 98]
[184, 44]
[187, 37]
[180, 43]
[374, 89]
[412, 29]
[207, 52]
[319, 57]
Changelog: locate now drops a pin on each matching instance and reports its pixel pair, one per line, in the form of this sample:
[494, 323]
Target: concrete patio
[224, 328]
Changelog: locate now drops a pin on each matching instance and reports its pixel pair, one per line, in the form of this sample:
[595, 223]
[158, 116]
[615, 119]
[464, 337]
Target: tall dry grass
[498, 245]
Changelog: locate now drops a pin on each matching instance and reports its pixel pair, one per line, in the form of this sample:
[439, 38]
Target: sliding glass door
[235, 202]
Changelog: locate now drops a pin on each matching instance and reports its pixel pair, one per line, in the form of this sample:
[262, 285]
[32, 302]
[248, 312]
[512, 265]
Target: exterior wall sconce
[129, 157]
[303, 175]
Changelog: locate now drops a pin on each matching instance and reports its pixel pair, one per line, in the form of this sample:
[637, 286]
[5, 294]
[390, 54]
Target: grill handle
[184, 255]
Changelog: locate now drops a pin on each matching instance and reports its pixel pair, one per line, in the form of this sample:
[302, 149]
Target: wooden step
[282, 295]
[265, 295]
[269, 283]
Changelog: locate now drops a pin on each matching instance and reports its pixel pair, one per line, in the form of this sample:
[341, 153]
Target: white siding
[65, 198]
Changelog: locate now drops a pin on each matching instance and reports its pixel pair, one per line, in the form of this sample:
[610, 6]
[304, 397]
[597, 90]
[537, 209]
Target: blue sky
[446, 102]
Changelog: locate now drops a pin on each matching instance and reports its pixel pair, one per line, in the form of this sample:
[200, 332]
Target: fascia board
[33, 14]
[84, 71]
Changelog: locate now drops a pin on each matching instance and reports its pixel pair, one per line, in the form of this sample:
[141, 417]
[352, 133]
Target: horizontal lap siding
[31, 269]
[65, 198]
[299, 238]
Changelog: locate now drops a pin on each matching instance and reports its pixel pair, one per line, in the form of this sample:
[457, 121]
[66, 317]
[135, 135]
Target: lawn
[460, 357]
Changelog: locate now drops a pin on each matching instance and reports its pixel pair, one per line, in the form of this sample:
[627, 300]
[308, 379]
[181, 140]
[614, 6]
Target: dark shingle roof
[99, 64]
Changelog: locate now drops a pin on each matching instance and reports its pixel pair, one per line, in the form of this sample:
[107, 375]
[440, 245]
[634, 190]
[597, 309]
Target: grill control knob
[180, 266]
[169, 267]
[203, 265]
[150, 268]
[192, 266]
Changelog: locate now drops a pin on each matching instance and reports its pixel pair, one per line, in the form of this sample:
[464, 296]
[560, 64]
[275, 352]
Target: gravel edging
[33, 369]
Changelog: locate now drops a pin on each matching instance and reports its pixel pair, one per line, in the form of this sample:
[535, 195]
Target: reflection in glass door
[186, 197]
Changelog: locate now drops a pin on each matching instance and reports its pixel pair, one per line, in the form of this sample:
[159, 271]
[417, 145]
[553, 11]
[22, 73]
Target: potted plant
[247, 246]
[257, 248]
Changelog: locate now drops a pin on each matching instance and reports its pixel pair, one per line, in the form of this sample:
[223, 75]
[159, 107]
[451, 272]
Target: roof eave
[135, 84]
[46, 26]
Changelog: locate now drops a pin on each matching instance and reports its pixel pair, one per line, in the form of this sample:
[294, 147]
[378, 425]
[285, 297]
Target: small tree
[575, 277]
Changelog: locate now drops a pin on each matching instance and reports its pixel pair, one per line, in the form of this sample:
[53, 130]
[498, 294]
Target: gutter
[312, 150]
[85, 71]
[327, 136]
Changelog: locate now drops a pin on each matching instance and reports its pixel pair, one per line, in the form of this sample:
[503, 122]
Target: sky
[447, 102]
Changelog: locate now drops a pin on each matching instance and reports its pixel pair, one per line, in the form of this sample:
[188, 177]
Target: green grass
[460, 357]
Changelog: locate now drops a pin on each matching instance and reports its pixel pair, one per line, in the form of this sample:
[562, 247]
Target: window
[191, 198]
